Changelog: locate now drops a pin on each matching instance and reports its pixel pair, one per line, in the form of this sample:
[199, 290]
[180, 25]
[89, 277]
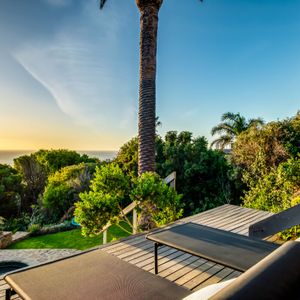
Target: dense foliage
[105, 201]
[262, 172]
[279, 189]
[34, 178]
[204, 176]
[127, 158]
[54, 160]
[268, 160]
[64, 187]
[160, 201]
[10, 191]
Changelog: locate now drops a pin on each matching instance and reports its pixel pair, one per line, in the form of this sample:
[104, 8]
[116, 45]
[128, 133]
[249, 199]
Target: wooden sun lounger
[226, 248]
[91, 275]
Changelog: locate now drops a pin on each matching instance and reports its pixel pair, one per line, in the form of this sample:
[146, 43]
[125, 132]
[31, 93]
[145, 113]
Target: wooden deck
[184, 269]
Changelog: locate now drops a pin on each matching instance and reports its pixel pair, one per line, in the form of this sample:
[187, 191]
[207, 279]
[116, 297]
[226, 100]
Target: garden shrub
[161, 202]
[105, 201]
[277, 190]
[205, 177]
[64, 187]
[10, 191]
[37, 229]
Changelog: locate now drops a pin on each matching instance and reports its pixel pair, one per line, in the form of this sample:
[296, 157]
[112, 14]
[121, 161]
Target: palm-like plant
[148, 40]
[230, 127]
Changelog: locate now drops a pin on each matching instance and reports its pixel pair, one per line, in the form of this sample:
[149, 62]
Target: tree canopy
[10, 191]
[204, 176]
[64, 186]
[53, 160]
[109, 189]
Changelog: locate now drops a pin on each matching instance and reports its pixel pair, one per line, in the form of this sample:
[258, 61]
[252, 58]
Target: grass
[70, 239]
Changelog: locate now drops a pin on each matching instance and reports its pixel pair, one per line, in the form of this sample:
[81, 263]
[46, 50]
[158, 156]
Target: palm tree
[230, 127]
[148, 40]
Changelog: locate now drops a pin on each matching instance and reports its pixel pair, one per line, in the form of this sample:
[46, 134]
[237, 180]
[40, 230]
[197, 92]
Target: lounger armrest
[277, 276]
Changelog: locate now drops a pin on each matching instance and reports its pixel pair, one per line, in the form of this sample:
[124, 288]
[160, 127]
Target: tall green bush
[160, 200]
[276, 191]
[10, 191]
[205, 177]
[64, 187]
[108, 196]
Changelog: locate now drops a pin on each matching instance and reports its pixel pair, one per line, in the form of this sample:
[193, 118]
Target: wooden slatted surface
[184, 269]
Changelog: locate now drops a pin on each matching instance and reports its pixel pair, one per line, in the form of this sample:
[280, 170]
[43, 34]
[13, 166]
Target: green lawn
[69, 239]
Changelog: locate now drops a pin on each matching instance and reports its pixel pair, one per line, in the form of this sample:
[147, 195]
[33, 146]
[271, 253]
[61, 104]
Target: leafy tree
[257, 151]
[204, 176]
[127, 158]
[277, 190]
[36, 168]
[64, 186]
[10, 191]
[162, 202]
[109, 193]
[291, 134]
[231, 126]
[54, 160]
[268, 160]
[34, 177]
[111, 186]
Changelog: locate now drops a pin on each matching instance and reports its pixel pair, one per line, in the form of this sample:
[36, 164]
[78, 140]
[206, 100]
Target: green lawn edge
[70, 239]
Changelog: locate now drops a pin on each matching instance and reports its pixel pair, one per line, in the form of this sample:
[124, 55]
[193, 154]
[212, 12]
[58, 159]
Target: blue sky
[69, 72]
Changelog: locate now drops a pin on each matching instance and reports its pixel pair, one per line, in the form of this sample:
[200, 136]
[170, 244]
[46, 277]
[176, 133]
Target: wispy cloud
[79, 67]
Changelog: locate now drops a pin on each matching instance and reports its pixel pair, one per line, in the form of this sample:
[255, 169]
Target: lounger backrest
[277, 276]
[276, 223]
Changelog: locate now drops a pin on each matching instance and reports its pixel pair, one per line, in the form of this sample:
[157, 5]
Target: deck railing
[170, 179]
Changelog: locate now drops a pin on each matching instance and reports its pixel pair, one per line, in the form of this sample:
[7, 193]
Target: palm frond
[229, 116]
[102, 2]
[222, 142]
[225, 127]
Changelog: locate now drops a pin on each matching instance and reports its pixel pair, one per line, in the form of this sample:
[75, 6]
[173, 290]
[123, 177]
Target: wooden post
[171, 179]
[134, 222]
[104, 237]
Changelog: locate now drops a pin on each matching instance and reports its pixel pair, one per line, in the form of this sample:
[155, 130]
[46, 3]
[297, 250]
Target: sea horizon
[7, 156]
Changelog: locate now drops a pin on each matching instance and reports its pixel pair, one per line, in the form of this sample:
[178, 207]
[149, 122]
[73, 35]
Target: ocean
[7, 156]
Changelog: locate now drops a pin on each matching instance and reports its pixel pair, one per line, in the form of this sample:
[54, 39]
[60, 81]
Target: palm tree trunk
[148, 44]
[147, 121]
